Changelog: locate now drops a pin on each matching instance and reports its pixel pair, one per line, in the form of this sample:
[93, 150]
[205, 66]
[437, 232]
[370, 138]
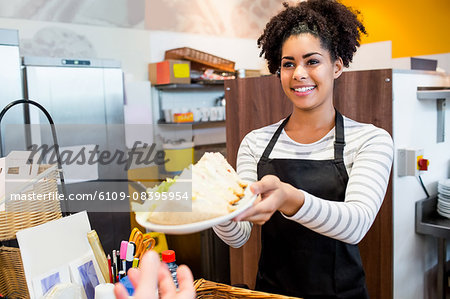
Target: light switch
[407, 161]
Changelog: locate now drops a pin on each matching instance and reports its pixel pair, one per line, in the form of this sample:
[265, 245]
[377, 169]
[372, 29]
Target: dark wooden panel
[251, 103]
[366, 96]
[244, 260]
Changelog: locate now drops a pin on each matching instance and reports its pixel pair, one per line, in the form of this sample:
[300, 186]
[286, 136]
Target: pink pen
[123, 254]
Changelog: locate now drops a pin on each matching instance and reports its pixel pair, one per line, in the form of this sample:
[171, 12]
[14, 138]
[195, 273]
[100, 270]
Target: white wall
[372, 56]
[130, 46]
[135, 48]
[244, 52]
[414, 126]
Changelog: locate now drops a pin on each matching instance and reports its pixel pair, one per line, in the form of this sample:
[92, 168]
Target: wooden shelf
[197, 85]
[429, 222]
[439, 94]
[197, 123]
[433, 93]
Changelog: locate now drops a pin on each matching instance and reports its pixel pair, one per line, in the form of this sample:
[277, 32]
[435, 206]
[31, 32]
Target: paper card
[181, 70]
[22, 160]
[65, 290]
[53, 245]
[45, 282]
[17, 170]
[86, 272]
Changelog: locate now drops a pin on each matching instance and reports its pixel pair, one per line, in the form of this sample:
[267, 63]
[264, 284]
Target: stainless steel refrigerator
[11, 88]
[85, 99]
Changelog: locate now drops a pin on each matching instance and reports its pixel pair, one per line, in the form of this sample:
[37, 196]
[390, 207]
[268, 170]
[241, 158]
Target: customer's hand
[273, 195]
[152, 274]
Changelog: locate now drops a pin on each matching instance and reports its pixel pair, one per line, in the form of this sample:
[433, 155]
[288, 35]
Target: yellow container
[161, 241]
[179, 156]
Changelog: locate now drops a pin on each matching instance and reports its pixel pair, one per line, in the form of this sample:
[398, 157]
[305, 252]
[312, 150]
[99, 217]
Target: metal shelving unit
[429, 222]
[214, 85]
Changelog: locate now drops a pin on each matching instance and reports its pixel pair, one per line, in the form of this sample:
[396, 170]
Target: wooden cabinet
[365, 96]
[251, 103]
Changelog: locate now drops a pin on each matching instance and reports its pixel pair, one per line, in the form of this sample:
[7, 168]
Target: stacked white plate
[443, 202]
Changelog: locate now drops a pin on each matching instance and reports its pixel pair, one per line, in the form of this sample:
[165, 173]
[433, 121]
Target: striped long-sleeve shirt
[368, 155]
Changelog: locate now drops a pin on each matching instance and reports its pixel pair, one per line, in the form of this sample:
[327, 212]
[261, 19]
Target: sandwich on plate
[208, 189]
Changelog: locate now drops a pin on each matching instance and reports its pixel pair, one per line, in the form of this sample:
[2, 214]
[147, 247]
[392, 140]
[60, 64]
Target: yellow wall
[414, 27]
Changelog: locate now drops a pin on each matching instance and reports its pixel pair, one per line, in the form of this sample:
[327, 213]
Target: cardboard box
[183, 117]
[170, 71]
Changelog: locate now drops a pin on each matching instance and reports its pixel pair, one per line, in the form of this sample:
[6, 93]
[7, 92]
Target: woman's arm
[350, 220]
[347, 221]
[236, 234]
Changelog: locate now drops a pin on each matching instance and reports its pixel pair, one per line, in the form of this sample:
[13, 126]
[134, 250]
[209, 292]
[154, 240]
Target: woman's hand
[274, 195]
[151, 274]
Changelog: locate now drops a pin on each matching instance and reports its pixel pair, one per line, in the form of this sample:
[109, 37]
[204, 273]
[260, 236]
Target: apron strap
[339, 140]
[269, 147]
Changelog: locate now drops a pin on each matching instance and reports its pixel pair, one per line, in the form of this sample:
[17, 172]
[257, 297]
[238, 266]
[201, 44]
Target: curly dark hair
[337, 27]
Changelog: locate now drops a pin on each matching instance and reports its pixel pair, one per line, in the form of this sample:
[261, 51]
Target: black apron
[295, 260]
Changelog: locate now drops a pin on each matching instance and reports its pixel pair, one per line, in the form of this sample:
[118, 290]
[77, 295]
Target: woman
[321, 177]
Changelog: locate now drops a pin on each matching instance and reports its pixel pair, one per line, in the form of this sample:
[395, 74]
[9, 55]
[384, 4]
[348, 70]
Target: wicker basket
[209, 289]
[12, 277]
[20, 215]
[23, 214]
[200, 60]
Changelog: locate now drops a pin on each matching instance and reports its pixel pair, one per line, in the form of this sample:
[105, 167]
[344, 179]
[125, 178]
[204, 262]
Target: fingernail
[254, 189]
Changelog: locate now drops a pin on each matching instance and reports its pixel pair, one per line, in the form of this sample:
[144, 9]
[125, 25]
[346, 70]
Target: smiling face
[307, 72]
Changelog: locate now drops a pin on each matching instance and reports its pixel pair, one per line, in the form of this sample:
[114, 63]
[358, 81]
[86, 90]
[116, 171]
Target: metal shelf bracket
[440, 94]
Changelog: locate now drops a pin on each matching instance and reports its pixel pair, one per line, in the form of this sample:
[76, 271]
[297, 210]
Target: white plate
[444, 192]
[443, 213]
[444, 183]
[443, 197]
[190, 228]
[443, 187]
[442, 207]
[444, 203]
